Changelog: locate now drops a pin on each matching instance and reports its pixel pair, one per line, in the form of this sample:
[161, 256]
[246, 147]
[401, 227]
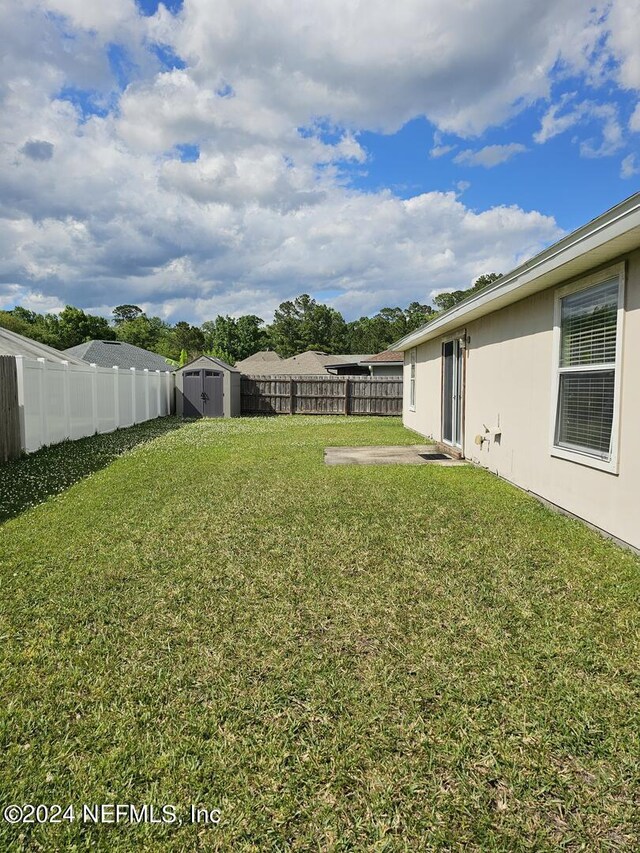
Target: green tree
[252, 336]
[305, 324]
[126, 313]
[76, 327]
[417, 315]
[189, 338]
[221, 334]
[222, 355]
[184, 358]
[445, 301]
[375, 334]
[41, 327]
[142, 331]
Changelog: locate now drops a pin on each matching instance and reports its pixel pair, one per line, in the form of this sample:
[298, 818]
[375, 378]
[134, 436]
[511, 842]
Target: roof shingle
[118, 354]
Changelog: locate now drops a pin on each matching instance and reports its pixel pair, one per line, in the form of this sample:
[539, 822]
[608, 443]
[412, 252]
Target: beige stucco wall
[509, 367]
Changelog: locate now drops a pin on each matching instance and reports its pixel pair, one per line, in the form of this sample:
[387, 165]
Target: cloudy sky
[205, 157]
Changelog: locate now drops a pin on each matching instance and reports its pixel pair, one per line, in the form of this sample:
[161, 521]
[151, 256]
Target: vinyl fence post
[94, 398]
[42, 402]
[20, 371]
[158, 394]
[116, 396]
[133, 395]
[146, 393]
[66, 395]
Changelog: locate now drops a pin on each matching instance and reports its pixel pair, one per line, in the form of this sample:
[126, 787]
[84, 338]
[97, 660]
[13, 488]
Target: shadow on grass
[32, 479]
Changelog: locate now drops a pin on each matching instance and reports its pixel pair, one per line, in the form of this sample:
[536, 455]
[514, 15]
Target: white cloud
[622, 25]
[441, 150]
[266, 211]
[612, 134]
[380, 68]
[634, 121]
[560, 117]
[629, 167]
[490, 155]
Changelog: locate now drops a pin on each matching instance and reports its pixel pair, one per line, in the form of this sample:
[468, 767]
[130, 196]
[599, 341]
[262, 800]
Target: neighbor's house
[11, 343]
[258, 362]
[118, 354]
[310, 363]
[537, 377]
[385, 363]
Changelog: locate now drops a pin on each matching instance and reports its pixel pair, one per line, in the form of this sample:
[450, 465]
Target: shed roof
[11, 343]
[217, 361]
[119, 354]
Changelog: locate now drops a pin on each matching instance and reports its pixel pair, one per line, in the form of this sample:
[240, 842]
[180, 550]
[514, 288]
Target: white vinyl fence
[67, 401]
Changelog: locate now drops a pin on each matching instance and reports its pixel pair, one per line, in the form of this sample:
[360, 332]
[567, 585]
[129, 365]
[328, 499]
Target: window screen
[585, 411]
[586, 382]
[588, 326]
[412, 380]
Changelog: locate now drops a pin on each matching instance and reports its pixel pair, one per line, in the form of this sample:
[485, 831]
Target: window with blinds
[587, 369]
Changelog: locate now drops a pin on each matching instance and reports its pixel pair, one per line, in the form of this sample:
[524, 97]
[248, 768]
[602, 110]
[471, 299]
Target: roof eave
[610, 235]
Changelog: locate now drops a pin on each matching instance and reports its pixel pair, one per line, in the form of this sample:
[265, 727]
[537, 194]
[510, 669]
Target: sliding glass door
[452, 385]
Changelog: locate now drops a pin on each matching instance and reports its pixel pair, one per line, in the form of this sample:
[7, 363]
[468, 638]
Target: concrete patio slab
[412, 454]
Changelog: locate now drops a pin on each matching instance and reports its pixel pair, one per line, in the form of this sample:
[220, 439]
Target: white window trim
[583, 457]
[413, 366]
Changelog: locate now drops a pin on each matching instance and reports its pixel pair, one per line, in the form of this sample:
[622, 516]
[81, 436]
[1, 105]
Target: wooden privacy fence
[321, 395]
[10, 445]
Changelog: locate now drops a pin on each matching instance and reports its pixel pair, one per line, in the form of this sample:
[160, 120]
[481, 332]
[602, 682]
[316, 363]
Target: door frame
[460, 336]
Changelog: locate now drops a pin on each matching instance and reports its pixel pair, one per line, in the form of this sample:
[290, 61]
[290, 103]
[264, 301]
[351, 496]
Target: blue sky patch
[167, 57]
[122, 66]
[150, 7]
[88, 102]
[188, 153]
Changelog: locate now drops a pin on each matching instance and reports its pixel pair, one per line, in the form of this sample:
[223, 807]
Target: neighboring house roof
[311, 363]
[258, 360]
[602, 240]
[344, 360]
[386, 357]
[11, 343]
[118, 354]
[218, 361]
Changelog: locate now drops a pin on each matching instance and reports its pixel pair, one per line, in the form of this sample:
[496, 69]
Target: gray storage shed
[207, 388]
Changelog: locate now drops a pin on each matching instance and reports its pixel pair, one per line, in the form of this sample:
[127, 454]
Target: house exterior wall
[509, 369]
[426, 418]
[386, 369]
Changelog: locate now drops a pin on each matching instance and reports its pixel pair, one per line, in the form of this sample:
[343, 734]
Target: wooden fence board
[321, 395]
[10, 444]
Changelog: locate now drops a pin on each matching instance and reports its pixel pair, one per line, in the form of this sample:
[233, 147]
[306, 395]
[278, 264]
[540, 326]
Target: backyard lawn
[337, 658]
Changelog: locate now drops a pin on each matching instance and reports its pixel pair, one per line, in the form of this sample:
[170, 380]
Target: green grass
[33, 478]
[338, 658]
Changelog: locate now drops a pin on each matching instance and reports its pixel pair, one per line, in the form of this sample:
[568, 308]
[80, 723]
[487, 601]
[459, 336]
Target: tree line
[298, 325]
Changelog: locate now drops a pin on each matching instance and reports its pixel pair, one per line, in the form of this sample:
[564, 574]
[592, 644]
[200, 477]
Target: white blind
[586, 388]
[589, 326]
[585, 411]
